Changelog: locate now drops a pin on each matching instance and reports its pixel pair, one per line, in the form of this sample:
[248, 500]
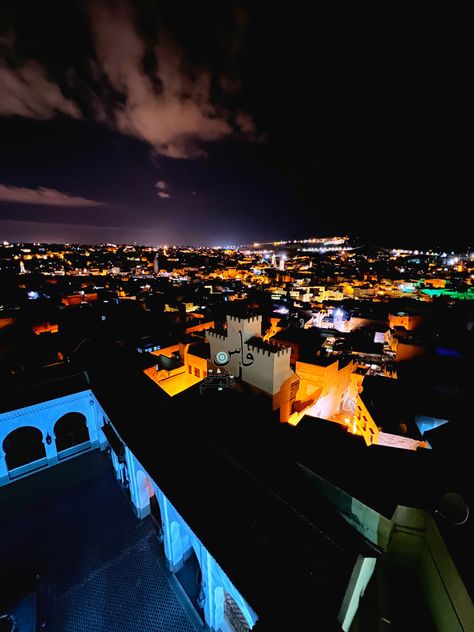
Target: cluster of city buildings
[284, 412]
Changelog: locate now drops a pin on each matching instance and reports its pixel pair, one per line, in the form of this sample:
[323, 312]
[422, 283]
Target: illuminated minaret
[22, 268]
[274, 260]
[156, 264]
[282, 262]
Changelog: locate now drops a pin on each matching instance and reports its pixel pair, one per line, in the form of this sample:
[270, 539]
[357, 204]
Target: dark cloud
[27, 91]
[144, 89]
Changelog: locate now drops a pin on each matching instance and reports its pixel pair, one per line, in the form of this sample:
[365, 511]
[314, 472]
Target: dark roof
[153, 340]
[165, 363]
[370, 311]
[114, 441]
[200, 349]
[259, 343]
[146, 360]
[390, 404]
[239, 309]
[362, 341]
[279, 527]
[299, 336]
[42, 385]
[380, 477]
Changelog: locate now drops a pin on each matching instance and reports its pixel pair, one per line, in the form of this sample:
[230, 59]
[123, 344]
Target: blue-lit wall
[44, 417]
[179, 541]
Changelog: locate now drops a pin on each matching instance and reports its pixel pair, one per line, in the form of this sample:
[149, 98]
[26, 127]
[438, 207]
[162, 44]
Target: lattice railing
[234, 615]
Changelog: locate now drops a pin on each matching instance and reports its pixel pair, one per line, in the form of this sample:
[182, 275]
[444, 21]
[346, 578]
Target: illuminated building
[239, 587]
[216, 469]
[326, 390]
[273, 329]
[243, 352]
[453, 294]
[78, 299]
[176, 368]
[7, 321]
[45, 328]
[331, 318]
[323, 387]
[434, 283]
[405, 320]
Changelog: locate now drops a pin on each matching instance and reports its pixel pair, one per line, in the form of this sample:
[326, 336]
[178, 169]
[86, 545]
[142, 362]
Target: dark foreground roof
[42, 385]
[291, 559]
[391, 404]
[383, 477]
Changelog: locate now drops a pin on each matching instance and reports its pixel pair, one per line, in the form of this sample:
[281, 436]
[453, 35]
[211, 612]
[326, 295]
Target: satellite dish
[453, 508]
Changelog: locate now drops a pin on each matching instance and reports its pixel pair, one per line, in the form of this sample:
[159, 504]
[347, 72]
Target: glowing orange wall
[7, 322]
[363, 424]
[408, 322]
[201, 327]
[408, 351]
[45, 327]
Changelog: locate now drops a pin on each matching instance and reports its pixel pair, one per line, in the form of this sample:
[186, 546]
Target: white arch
[176, 543]
[29, 463]
[25, 425]
[70, 412]
[144, 489]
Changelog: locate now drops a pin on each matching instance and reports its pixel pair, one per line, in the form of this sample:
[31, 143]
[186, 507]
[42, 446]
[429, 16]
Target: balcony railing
[234, 615]
[25, 456]
[72, 439]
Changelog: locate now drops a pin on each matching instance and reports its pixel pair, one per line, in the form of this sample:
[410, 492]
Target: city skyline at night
[236, 317]
[121, 123]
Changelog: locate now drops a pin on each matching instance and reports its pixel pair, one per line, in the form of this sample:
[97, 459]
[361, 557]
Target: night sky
[215, 123]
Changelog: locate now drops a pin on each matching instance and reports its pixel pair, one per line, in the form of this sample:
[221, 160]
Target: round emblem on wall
[221, 357]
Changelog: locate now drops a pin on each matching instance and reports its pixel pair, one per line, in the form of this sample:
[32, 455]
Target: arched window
[71, 430]
[22, 446]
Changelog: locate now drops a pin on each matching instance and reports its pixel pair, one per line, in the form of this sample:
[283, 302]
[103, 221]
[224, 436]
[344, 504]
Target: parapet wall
[216, 335]
[270, 351]
[249, 319]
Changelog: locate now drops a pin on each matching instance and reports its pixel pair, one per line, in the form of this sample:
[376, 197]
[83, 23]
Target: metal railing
[234, 615]
[71, 439]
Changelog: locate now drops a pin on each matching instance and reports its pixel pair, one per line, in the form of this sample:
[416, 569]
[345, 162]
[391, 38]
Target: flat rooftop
[279, 525]
[102, 570]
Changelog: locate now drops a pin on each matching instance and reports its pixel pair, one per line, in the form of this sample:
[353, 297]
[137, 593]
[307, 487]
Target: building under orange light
[44, 328]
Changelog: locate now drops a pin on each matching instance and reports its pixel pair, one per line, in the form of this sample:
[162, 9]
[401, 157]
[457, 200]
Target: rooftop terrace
[74, 526]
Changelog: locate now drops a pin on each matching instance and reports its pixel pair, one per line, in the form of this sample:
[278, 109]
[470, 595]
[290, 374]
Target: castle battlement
[259, 346]
[216, 334]
[248, 319]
